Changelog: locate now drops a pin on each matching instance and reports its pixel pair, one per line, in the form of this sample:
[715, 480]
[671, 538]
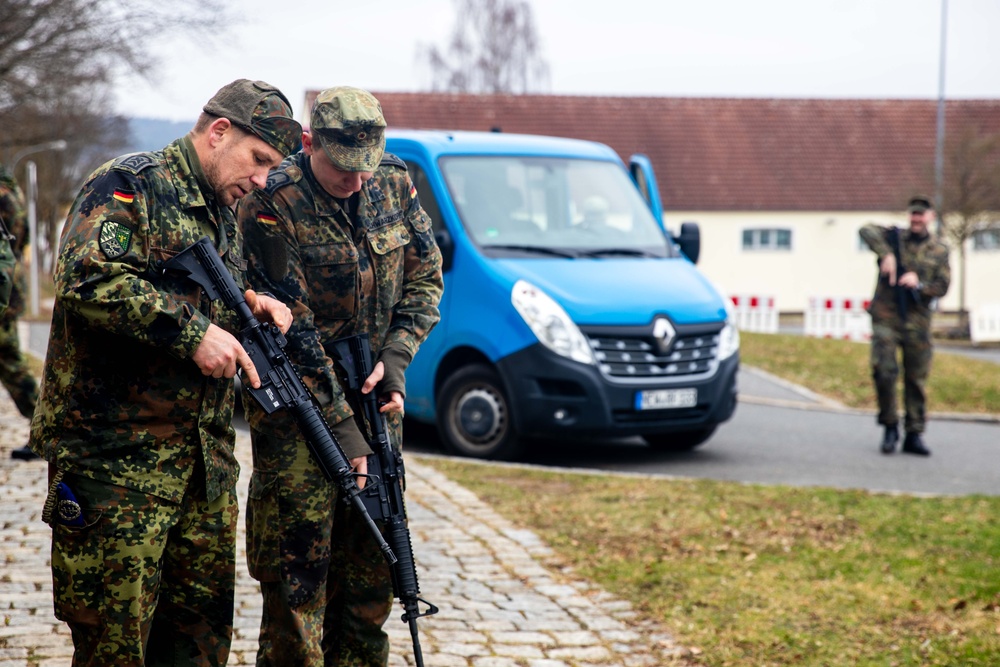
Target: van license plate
[664, 399]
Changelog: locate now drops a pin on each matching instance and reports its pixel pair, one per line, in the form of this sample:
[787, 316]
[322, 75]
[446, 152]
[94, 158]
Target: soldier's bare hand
[888, 268]
[221, 355]
[909, 279]
[394, 403]
[269, 309]
[360, 466]
[377, 374]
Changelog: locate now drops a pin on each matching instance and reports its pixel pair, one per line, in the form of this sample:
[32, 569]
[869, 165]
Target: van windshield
[528, 206]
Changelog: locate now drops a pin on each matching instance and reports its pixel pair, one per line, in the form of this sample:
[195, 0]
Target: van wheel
[678, 441]
[474, 417]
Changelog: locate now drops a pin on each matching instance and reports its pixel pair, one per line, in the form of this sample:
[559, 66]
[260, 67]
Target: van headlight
[550, 323]
[729, 341]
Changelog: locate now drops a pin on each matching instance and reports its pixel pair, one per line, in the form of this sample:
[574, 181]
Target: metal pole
[32, 234]
[32, 174]
[939, 150]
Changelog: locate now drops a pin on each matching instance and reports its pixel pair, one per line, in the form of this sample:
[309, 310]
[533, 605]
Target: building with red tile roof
[815, 168]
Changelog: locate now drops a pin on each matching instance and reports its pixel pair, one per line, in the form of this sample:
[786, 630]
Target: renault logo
[663, 334]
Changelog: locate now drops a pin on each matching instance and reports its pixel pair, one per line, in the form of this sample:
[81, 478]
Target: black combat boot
[914, 444]
[24, 454]
[890, 439]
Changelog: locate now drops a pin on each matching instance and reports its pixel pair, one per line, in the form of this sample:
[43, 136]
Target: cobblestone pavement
[503, 602]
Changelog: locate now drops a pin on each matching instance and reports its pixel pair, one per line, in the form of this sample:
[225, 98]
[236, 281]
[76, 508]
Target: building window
[767, 239]
[986, 239]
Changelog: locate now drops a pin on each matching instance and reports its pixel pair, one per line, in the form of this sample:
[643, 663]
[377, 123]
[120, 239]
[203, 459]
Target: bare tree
[58, 62]
[493, 49]
[970, 196]
[46, 45]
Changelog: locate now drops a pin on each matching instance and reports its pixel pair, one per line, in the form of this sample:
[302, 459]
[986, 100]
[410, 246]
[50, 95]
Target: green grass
[780, 576]
[773, 575]
[840, 370]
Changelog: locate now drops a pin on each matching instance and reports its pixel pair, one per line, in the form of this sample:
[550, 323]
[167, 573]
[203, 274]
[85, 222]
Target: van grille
[636, 356]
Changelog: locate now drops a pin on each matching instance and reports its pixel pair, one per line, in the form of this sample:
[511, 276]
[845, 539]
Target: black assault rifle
[383, 492]
[904, 295]
[280, 385]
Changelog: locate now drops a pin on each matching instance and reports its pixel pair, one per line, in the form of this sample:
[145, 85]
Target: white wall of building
[826, 257]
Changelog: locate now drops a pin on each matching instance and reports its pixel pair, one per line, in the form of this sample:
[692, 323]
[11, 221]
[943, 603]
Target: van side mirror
[690, 240]
[447, 246]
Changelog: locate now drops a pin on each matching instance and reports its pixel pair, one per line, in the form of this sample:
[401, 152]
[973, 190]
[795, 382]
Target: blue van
[569, 311]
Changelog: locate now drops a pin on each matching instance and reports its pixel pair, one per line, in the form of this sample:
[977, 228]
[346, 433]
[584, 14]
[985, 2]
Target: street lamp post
[32, 173]
[939, 142]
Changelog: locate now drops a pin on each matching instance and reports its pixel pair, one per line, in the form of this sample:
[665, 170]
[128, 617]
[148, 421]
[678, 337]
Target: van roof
[445, 142]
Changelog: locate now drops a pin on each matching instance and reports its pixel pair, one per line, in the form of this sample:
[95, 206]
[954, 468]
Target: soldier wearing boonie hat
[338, 229]
[137, 399]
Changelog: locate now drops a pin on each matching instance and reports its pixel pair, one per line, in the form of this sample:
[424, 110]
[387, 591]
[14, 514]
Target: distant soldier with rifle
[339, 235]
[913, 272]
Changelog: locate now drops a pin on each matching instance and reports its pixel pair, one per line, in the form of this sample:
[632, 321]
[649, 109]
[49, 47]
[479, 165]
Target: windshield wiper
[541, 250]
[627, 252]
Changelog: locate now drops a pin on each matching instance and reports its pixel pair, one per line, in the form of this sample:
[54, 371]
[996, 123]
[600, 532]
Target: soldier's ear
[218, 130]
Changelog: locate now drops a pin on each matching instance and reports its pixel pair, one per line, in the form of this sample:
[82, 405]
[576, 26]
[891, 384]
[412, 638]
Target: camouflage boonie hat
[260, 109]
[350, 127]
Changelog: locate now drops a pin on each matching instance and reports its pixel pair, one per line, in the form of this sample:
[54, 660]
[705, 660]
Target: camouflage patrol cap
[260, 109]
[919, 204]
[350, 127]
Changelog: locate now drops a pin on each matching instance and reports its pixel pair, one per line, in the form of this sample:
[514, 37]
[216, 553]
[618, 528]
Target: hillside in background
[148, 134]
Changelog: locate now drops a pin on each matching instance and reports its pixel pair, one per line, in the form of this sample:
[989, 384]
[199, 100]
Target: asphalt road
[773, 444]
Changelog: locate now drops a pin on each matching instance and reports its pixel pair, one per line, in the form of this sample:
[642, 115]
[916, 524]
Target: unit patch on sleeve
[116, 238]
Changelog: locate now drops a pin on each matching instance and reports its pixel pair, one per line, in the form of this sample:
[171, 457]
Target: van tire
[473, 415]
[678, 441]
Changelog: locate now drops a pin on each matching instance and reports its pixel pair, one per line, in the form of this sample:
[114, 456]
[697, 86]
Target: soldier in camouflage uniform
[7, 265]
[137, 393]
[14, 372]
[901, 318]
[339, 234]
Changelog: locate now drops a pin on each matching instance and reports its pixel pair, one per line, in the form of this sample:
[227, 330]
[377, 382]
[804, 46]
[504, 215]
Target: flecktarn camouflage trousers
[326, 587]
[143, 581]
[915, 342]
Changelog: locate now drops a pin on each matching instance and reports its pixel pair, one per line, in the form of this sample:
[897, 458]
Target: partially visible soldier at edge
[901, 317]
[14, 372]
[7, 264]
[137, 398]
[338, 234]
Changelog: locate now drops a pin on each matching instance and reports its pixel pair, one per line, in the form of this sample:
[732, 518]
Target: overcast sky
[700, 48]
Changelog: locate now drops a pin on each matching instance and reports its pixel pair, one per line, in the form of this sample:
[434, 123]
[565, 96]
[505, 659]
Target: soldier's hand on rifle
[360, 466]
[221, 355]
[909, 279]
[395, 398]
[888, 268]
[269, 309]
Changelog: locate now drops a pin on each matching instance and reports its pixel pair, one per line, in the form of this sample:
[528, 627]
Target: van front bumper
[554, 397]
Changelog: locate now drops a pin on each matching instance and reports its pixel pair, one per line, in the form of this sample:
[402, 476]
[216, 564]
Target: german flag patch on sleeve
[124, 196]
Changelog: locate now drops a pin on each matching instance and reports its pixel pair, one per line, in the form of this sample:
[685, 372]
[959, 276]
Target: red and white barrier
[756, 314]
[984, 323]
[838, 317]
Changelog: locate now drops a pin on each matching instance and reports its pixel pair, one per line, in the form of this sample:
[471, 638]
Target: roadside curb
[815, 402]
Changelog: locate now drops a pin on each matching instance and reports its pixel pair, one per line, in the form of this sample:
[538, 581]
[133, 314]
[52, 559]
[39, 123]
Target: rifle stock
[383, 493]
[281, 387]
